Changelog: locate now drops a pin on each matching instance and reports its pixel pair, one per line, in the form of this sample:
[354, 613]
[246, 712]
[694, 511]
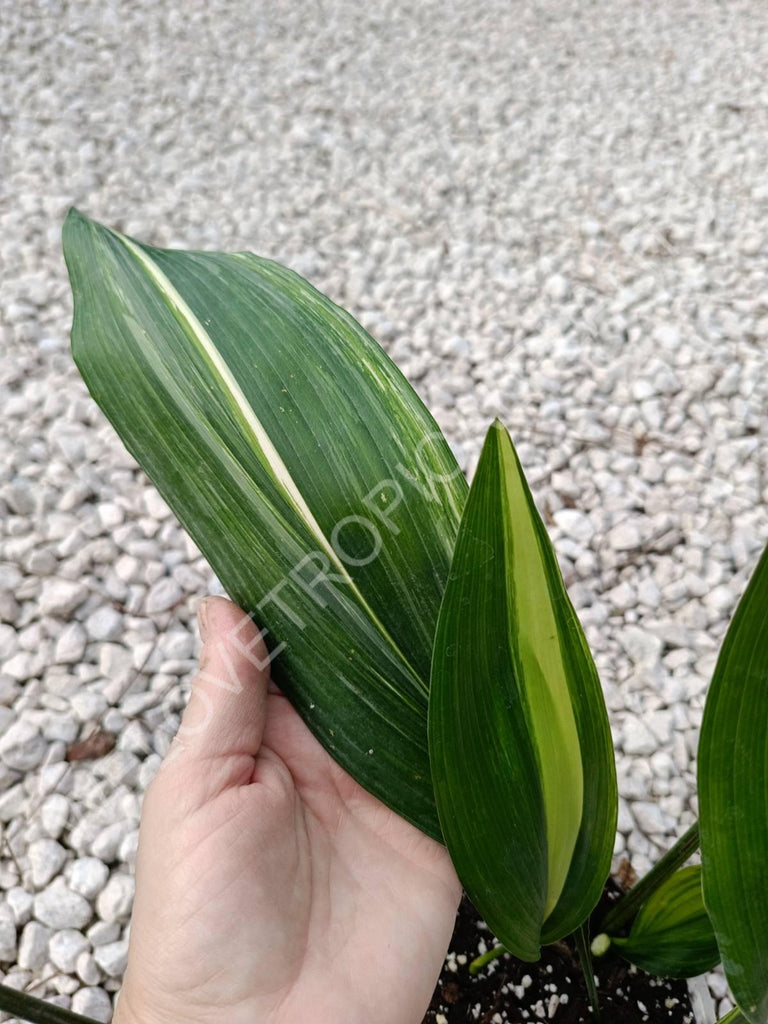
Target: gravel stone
[7, 777]
[9, 690]
[648, 593]
[102, 932]
[19, 498]
[65, 948]
[61, 727]
[70, 647]
[20, 902]
[128, 569]
[637, 738]
[661, 724]
[33, 946]
[622, 597]
[41, 563]
[88, 706]
[136, 703]
[54, 814]
[649, 818]
[61, 597]
[624, 537]
[46, 857]
[92, 1002]
[9, 607]
[10, 577]
[134, 738]
[87, 969]
[13, 802]
[8, 946]
[115, 662]
[626, 823]
[60, 908]
[22, 747]
[163, 594]
[110, 515]
[89, 876]
[104, 624]
[574, 524]
[129, 848]
[643, 647]
[177, 644]
[18, 979]
[22, 666]
[8, 641]
[155, 505]
[718, 985]
[115, 900]
[106, 844]
[112, 957]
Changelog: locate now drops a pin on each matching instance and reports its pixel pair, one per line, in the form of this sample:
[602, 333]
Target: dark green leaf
[518, 732]
[733, 799]
[626, 909]
[672, 935]
[304, 466]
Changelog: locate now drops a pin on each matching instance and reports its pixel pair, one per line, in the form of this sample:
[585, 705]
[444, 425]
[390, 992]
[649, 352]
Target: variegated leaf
[521, 749]
[304, 466]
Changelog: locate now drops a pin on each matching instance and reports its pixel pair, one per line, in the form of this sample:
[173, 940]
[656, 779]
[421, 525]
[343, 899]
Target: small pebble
[88, 877]
[92, 1002]
[65, 948]
[59, 908]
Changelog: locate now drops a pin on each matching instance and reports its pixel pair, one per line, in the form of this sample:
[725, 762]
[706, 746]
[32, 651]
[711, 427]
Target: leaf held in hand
[304, 466]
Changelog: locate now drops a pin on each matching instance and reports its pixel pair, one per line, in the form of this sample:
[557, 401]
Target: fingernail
[202, 618]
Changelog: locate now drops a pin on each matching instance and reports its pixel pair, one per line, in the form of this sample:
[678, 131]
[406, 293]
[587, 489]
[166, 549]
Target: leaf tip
[74, 214]
[497, 436]
[73, 221]
[73, 230]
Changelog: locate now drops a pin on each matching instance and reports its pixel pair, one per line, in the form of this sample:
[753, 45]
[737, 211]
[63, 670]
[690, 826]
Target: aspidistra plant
[424, 635]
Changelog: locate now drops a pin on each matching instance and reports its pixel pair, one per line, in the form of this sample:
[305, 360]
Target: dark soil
[510, 992]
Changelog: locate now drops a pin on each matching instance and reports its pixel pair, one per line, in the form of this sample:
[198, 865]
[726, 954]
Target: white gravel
[555, 214]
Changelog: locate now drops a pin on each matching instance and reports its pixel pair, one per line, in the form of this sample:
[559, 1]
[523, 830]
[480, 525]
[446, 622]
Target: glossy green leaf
[672, 935]
[626, 909]
[305, 467]
[733, 799]
[519, 740]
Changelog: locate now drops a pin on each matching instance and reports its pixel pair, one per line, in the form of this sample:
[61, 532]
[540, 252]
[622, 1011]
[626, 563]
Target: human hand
[271, 888]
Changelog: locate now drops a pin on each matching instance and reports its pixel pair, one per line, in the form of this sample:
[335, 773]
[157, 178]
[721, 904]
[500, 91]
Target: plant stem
[38, 1011]
[479, 962]
[581, 936]
[627, 907]
[734, 1017]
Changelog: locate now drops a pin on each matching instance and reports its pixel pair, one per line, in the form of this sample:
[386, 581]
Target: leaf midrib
[271, 458]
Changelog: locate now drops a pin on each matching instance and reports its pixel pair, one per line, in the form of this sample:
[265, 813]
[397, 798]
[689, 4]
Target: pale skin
[271, 888]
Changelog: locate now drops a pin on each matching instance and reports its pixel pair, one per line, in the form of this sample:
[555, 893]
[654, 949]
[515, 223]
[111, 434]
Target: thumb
[227, 708]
